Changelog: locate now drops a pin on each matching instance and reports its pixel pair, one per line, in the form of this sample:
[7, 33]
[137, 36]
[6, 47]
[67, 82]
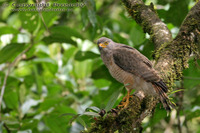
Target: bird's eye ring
[106, 43]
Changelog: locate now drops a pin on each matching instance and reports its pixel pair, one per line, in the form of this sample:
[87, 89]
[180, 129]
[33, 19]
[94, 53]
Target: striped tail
[161, 88]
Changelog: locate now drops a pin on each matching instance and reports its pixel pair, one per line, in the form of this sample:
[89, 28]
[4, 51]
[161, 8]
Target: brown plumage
[134, 70]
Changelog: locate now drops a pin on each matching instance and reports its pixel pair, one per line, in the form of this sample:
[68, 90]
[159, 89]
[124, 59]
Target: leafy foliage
[62, 80]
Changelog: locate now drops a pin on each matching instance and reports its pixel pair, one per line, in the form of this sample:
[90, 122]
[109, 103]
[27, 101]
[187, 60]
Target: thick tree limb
[172, 57]
[147, 17]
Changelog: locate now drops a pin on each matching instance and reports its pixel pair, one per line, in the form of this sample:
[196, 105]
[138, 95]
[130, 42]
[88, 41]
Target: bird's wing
[132, 61]
[145, 59]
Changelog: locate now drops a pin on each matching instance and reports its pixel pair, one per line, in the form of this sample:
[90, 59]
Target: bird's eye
[106, 43]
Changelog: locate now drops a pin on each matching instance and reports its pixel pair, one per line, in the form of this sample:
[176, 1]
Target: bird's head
[105, 44]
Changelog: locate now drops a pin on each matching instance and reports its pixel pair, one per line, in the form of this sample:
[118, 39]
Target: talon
[125, 101]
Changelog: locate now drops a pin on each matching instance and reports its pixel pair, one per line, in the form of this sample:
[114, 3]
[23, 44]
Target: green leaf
[80, 55]
[68, 54]
[66, 114]
[91, 12]
[113, 99]
[92, 17]
[196, 96]
[82, 69]
[44, 60]
[29, 124]
[137, 35]
[37, 79]
[22, 94]
[55, 123]
[147, 49]
[173, 15]
[62, 34]
[54, 89]
[91, 114]
[157, 116]
[28, 81]
[73, 118]
[191, 75]
[69, 86]
[11, 122]
[194, 113]
[118, 38]
[50, 102]
[48, 63]
[81, 121]
[77, 116]
[10, 51]
[11, 99]
[6, 10]
[105, 95]
[8, 30]
[24, 70]
[14, 21]
[12, 82]
[102, 73]
[50, 17]
[100, 83]
[29, 20]
[84, 16]
[96, 109]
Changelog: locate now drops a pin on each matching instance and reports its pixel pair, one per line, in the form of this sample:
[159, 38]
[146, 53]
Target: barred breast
[116, 72]
[119, 74]
[131, 81]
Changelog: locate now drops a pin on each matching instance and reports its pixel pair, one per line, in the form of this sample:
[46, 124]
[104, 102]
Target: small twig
[3, 87]
[30, 58]
[7, 129]
[42, 18]
[179, 110]
[180, 106]
[17, 59]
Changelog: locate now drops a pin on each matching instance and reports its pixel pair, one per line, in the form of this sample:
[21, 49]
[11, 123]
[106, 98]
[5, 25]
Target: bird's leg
[126, 100]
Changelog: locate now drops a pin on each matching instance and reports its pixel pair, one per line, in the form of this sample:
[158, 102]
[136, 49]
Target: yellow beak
[102, 45]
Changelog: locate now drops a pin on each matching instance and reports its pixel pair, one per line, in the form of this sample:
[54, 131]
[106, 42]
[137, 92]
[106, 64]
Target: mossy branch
[124, 120]
[147, 17]
[172, 57]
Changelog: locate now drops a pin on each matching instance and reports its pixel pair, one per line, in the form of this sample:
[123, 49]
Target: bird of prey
[133, 69]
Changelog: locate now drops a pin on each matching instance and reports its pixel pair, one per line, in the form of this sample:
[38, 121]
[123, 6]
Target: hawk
[133, 69]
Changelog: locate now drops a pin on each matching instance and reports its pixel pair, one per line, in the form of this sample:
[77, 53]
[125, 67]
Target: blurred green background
[62, 73]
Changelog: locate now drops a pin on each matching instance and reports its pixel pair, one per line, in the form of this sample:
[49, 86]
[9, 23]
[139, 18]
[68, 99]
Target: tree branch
[172, 57]
[147, 17]
[124, 120]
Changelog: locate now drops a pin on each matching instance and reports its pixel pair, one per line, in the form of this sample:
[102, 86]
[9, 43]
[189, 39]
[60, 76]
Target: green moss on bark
[124, 120]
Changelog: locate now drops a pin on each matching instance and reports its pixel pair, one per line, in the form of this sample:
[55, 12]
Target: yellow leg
[126, 100]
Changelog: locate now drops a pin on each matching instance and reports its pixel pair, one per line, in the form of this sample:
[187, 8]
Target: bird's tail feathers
[167, 104]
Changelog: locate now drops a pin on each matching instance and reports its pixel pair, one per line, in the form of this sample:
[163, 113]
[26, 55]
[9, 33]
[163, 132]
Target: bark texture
[172, 57]
[147, 17]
